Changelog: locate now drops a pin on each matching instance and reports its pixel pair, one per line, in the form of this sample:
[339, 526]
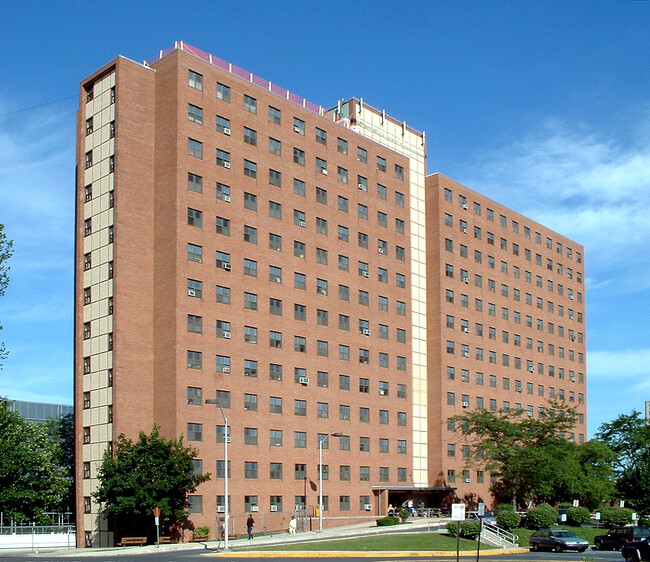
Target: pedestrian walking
[250, 522]
[292, 525]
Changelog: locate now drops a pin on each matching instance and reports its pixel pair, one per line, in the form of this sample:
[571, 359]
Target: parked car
[616, 537]
[636, 551]
[556, 539]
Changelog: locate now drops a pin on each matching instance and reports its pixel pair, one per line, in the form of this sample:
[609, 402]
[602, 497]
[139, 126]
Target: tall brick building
[239, 243]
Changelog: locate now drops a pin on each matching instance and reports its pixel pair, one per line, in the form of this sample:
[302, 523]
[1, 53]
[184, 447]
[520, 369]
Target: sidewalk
[240, 547]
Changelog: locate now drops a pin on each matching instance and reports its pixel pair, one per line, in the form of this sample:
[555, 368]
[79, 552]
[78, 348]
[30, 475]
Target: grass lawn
[587, 533]
[406, 542]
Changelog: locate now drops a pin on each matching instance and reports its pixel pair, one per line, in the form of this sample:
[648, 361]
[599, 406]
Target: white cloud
[584, 185]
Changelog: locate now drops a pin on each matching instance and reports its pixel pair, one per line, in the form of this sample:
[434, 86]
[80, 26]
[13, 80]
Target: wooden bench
[164, 539]
[133, 541]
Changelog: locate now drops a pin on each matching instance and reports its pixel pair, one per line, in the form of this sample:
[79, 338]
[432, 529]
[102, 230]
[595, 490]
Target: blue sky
[543, 106]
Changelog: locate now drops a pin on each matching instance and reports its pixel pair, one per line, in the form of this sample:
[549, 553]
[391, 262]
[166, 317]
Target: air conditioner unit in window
[465, 329]
[463, 230]
[297, 129]
[380, 250]
[225, 370]
[530, 414]
[255, 507]
[191, 293]
[226, 165]
[303, 380]
[464, 206]
[302, 223]
[321, 291]
[367, 506]
[323, 171]
[198, 260]
[468, 480]
[299, 507]
[365, 331]
[227, 266]
[362, 187]
[531, 370]
[226, 335]
[226, 198]
[571, 297]
[382, 392]
[221, 509]
[465, 353]
[573, 379]
[465, 404]
[274, 508]
[365, 274]
[465, 279]
[226, 130]
[572, 338]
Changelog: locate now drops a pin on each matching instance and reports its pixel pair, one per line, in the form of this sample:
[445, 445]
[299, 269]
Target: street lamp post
[320, 477]
[225, 454]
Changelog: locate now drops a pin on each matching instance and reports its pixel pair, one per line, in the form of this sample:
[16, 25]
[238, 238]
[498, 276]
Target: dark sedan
[556, 539]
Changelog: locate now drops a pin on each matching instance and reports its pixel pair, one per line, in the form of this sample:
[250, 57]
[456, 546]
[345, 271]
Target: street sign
[156, 512]
[458, 512]
[481, 509]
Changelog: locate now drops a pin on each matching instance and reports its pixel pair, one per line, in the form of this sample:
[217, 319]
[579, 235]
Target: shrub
[613, 516]
[505, 507]
[201, 531]
[645, 521]
[386, 521]
[451, 528]
[508, 520]
[576, 516]
[469, 529]
[543, 515]
[403, 514]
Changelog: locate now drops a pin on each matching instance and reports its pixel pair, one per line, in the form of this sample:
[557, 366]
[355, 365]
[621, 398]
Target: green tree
[31, 480]
[61, 434]
[152, 472]
[629, 437]
[532, 457]
[6, 252]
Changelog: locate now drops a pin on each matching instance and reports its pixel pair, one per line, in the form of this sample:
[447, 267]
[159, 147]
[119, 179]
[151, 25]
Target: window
[250, 267]
[250, 169]
[321, 136]
[275, 405]
[194, 359]
[194, 182]
[321, 195]
[195, 80]
[194, 148]
[275, 242]
[194, 432]
[223, 158]
[223, 294]
[321, 256]
[250, 234]
[250, 438]
[321, 225]
[382, 219]
[250, 402]
[275, 146]
[344, 382]
[250, 136]
[223, 226]
[195, 114]
[250, 104]
[223, 194]
[300, 344]
[342, 175]
[194, 324]
[274, 115]
[300, 441]
[300, 408]
[250, 334]
[275, 473]
[362, 212]
[299, 158]
[298, 126]
[250, 368]
[223, 364]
